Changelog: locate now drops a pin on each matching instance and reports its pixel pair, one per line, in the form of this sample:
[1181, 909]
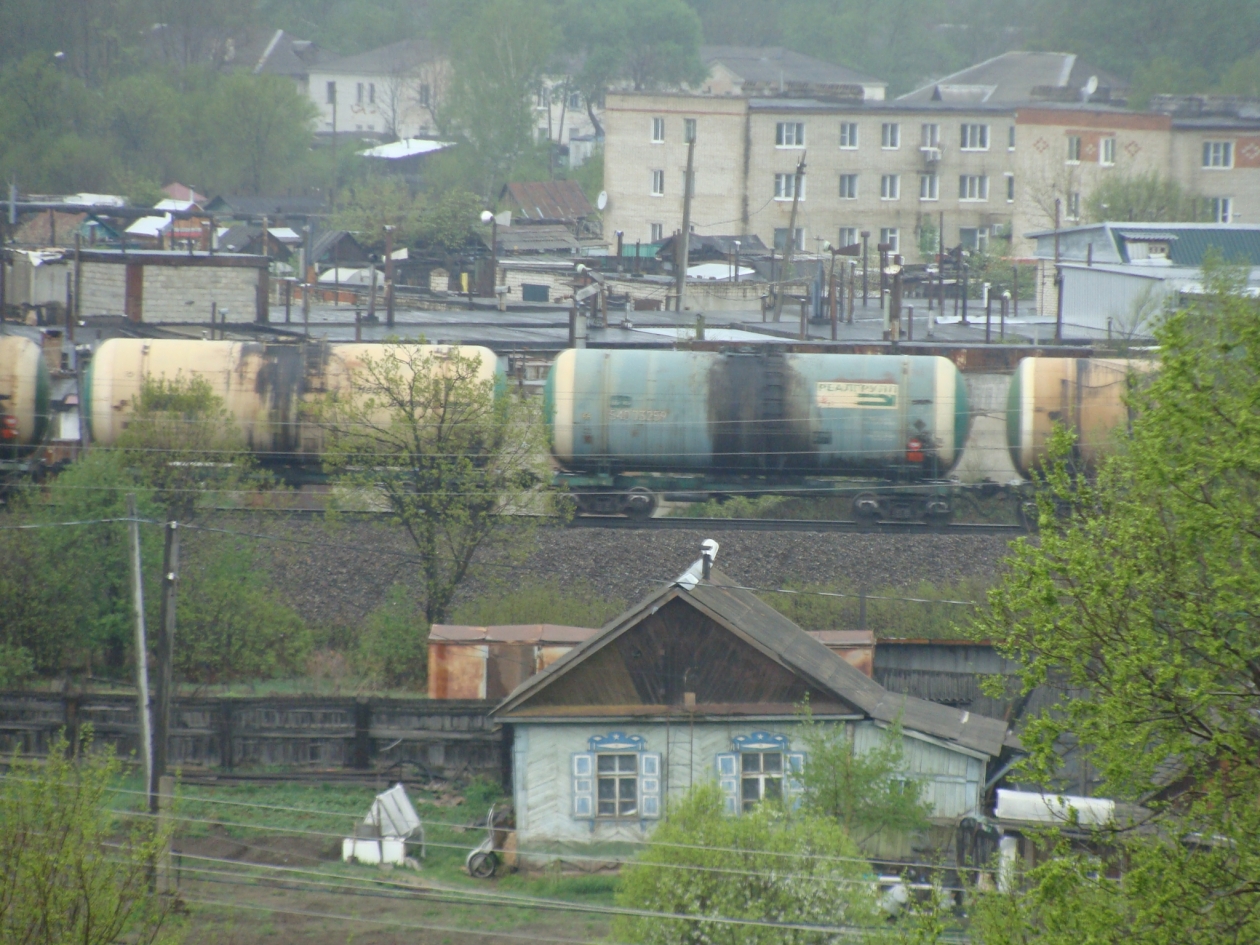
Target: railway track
[792, 525]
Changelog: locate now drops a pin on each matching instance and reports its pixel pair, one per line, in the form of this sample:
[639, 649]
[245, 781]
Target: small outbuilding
[700, 681]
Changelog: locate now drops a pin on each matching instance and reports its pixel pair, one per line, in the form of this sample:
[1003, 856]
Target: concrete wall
[1240, 183]
[543, 781]
[104, 288]
[172, 293]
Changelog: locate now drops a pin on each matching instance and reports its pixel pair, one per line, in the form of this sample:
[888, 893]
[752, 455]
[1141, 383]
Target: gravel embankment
[334, 577]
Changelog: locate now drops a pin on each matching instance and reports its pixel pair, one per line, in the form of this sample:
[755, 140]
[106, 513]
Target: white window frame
[1107, 151]
[760, 777]
[1010, 188]
[330, 93]
[1222, 209]
[575, 100]
[371, 93]
[981, 243]
[851, 192]
[657, 231]
[848, 135]
[1010, 138]
[975, 136]
[1074, 145]
[689, 130]
[800, 238]
[892, 235]
[890, 187]
[658, 183]
[358, 93]
[784, 185]
[1074, 205]
[847, 236]
[618, 777]
[789, 134]
[658, 130]
[890, 136]
[973, 188]
[930, 135]
[929, 187]
[1218, 155]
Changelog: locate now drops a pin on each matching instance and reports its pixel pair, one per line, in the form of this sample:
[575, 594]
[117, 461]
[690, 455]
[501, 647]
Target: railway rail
[794, 525]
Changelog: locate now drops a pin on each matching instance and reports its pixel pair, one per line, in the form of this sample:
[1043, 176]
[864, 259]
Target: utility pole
[797, 180]
[78, 284]
[389, 276]
[1058, 277]
[142, 651]
[165, 659]
[866, 235]
[683, 247]
[371, 312]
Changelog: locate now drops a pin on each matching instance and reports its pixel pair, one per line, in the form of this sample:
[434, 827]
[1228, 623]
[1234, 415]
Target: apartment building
[890, 170]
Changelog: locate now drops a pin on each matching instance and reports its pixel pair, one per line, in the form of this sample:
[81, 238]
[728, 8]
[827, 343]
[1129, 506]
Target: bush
[393, 648]
[890, 618]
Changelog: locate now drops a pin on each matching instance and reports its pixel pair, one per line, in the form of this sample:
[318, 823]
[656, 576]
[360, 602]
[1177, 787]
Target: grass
[888, 619]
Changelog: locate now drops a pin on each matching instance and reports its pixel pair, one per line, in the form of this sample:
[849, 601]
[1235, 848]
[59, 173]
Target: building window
[789, 134]
[1074, 149]
[358, 94]
[1010, 188]
[761, 778]
[422, 95]
[848, 236]
[973, 187]
[658, 183]
[658, 232]
[929, 187]
[371, 93]
[848, 186]
[785, 187]
[890, 187]
[848, 134]
[1074, 205]
[975, 137]
[1220, 208]
[575, 99]
[1107, 153]
[689, 130]
[781, 239]
[1010, 138]
[891, 237]
[1218, 154]
[330, 93]
[617, 785]
[890, 136]
[658, 130]
[974, 238]
[929, 135]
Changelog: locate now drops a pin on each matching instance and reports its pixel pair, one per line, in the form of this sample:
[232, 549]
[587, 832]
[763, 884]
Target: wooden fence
[447, 739]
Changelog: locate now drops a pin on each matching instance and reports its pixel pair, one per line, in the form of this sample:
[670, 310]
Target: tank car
[627, 425]
[1087, 395]
[24, 397]
[266, 388]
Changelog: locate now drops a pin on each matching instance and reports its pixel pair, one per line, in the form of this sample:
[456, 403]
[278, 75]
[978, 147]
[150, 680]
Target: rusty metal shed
[468, 662]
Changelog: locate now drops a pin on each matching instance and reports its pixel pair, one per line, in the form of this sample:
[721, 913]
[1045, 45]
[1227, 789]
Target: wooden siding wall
[448, 739]
[543, 782]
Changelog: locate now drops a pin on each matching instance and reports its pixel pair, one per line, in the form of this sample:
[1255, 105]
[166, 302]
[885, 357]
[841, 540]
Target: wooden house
[703, 681]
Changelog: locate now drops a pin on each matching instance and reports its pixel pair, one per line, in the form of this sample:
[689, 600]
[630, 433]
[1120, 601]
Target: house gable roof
[775, 637]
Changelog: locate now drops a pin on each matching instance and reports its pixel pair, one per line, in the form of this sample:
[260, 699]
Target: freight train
[631, 427]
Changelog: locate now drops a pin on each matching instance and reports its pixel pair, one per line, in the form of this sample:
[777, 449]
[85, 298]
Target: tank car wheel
[639, 503]
[482, 865]
[866, 508]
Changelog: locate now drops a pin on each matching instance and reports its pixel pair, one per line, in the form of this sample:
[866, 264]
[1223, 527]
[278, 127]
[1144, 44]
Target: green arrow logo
[876, 400]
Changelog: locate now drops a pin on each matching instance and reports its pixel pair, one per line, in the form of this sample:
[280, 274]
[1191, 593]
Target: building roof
[177, 191]
[746, 616]
[1016, 78]
[773, 67]
[537, 238]
[553, 201]
[328, 240]
[532, 633]
[405, 148]
[395, 59]
[1188, 243]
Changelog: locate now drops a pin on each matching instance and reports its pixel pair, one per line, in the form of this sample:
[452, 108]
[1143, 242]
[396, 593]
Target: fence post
[225, 734]
[362, 734]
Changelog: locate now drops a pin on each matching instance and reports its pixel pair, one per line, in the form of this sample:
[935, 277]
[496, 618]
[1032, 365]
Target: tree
[231, 625]
[662, 44]
[1242, 78]
[767, 865]
[497, 60]
[72, 873]
[424, 431]
[1164, 75]
[257, 128]
[1138, 601]
[1147, 198]
[865, 792]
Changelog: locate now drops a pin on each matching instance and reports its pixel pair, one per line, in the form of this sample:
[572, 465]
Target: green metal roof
[1191, 244]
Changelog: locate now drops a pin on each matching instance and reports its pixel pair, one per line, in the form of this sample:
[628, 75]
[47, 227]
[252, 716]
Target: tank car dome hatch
[264, 387]
[25, 393]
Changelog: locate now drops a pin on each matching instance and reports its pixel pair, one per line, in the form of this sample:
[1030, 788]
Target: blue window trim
[617, 741]
[760, 741]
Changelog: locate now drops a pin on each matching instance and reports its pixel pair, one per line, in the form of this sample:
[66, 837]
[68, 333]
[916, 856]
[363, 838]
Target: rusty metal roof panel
[554, 200]
[844, 637]
[531, 633]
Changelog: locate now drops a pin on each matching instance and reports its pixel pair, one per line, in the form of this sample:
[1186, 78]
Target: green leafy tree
[73, 872]
[1242, 78]
[1146, 198]
[377, 202]
[424, 432]
[767, 865]
[1165, 75]
[865, 792]
[230, 624]
[662, 43]
[393, 647]
[1139, 599]
[497, 59]
[256, 129]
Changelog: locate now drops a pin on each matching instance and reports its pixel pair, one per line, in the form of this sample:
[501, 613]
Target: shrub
[393, 648]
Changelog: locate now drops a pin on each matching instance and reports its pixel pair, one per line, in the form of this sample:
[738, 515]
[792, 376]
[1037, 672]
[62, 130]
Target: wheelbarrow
[483, 860]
